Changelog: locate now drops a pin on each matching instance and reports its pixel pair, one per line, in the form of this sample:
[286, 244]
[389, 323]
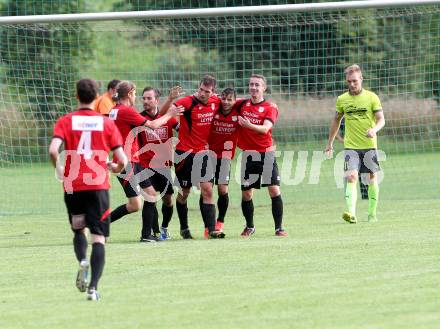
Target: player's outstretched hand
[175, 111]
[175, 92]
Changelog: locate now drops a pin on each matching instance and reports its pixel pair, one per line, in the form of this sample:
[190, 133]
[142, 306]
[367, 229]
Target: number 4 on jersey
[85, 145]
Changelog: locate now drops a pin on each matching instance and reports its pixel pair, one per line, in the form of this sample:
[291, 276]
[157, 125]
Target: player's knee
[98, 239]
[222, 189]
[246, 195]
[274, 191]
[351, 178]
[371, 179]
[149, 194]
[134, 204]
[206, 192]
[183, 194]
[167, 200]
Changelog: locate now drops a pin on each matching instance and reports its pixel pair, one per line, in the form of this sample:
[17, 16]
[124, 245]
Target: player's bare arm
[261, 129]
[172, 112]
[54, 147]
[333, 131]
[121, 162]
[380, 123]
[54, 150]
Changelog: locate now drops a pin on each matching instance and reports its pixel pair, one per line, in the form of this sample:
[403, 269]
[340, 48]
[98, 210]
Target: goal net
[302, 54]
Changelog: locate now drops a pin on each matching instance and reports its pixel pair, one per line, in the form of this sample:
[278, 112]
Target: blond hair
[353, 69]
[259, 76]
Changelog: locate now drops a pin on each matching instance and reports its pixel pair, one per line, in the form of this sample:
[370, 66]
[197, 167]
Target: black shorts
[132, 181]
[258, 169]
[222, 173]
[160, 179]
[89, 209]
[194, 168]
[363, 161]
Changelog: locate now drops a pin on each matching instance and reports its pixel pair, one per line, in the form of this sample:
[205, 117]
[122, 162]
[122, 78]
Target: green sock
[373, 197]
[351, 197]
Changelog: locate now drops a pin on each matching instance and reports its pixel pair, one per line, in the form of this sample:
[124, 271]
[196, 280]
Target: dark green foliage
[41, 60]
[398, 54]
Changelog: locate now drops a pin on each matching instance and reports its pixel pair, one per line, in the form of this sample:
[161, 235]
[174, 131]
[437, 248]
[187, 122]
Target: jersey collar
[250, 99]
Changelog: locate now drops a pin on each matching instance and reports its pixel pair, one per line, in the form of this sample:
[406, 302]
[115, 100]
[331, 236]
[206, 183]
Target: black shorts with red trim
[89, 209]
[258, 169]
[131, 180]
[193, 168]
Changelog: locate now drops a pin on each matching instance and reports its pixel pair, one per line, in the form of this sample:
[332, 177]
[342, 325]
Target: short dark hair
[112, 84]
[229, 91]
[157, 92]
[208, 80]
[123, 89]
[87, 90]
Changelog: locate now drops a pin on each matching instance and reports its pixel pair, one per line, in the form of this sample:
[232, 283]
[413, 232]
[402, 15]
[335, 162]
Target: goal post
[302, 49]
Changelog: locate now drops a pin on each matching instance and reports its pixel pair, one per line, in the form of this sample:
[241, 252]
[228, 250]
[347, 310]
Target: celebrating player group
[210, 126]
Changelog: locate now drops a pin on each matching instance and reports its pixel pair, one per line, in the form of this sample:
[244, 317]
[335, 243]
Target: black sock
[182, 212]
[247, 207]
[149, 213]
[277, 211]
[97, 261]
[208, 212]
[202, 212]
[222, 204]
[155, 226]
[364, 190]
[167, 213]
[80, 246]
[118, 213]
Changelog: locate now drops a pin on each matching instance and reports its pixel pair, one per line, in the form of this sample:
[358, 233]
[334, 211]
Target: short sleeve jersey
[88, 138]
[156, 151]
[250, 140]
[127, 119]
[224, 133]
[195, 123]
[104, 103]
[359, 113]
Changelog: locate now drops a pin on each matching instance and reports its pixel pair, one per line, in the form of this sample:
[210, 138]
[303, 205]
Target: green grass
[326, 274]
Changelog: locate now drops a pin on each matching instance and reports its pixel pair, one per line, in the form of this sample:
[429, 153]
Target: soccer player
[157, 159]
[127, 118]
[223, 141]
[88, 137]
[105, 102]
[192, 163]
[363, 119]
[259, 166]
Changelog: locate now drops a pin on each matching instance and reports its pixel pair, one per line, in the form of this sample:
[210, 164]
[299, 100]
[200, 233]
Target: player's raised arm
[175, 93]
[334, 127]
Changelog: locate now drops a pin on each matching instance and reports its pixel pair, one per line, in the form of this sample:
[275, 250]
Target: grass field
[326, 274]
